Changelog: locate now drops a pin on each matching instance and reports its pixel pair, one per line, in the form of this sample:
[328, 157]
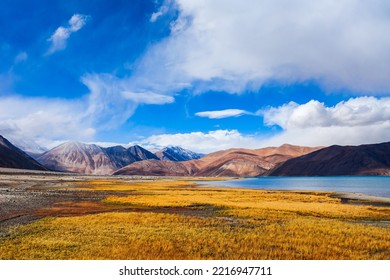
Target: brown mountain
[339, 160]
[245, 162]
[232, 162]
[13, 157]
[92, 159]
[79, 158]
[154, 168]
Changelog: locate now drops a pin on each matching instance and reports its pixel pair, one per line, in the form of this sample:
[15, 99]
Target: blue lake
[372, 185]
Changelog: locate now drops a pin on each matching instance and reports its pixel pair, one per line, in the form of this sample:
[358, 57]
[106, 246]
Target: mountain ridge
[367, 159]
[231, 162]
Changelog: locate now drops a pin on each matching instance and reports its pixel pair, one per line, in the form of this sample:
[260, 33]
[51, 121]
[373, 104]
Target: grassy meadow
[176, 219]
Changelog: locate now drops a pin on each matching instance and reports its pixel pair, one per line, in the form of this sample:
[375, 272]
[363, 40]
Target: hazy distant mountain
[29, 147]
[13, 157]
[339, 160]
[233, 162]
[78, 157]
[175, 153]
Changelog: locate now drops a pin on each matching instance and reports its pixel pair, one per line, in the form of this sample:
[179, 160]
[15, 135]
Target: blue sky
[205, 75]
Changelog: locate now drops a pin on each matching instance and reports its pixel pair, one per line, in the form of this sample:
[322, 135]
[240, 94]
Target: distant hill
[371, 159]
[13, 157]
[175, 153]
[232, 162]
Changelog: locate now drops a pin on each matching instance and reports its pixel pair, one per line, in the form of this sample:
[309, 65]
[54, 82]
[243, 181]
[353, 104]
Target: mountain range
[92, 159]
[232, 162]
[286, 160]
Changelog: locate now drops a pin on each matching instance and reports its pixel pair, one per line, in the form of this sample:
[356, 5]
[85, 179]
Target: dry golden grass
[176, 220]
[124, 185]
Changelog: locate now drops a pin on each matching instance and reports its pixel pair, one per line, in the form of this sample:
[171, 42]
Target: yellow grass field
[176, 219]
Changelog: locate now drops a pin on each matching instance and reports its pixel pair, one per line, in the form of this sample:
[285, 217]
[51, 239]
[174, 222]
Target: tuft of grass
[170, 219]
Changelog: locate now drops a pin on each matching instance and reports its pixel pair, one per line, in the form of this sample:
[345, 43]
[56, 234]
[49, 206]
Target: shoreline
[347, 197]
[342, 194]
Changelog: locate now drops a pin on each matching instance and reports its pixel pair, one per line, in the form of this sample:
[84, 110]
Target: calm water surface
[372, 185]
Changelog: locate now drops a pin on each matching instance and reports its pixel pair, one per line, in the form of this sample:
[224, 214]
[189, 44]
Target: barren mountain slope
[78, 157]
[339, 160]
[13, 157]
[154, 168]
[232, 162]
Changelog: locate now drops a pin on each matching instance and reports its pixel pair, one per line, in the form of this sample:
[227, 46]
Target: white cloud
[204, 142]
[354, 112]
[162, 10]
[49, 121]
[106, 108]
[222, 113]
[334, 135]
[42, 120]
[147, 97]
[228, 45]
[111, 100]
[59, 38]
[77, 22]
[355, 121]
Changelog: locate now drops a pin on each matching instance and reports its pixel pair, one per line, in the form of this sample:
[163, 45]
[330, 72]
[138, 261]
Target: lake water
[372, 185]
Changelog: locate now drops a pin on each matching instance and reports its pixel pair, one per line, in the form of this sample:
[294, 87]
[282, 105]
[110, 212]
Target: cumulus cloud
[353, 112]
[334, 135]
[204, 142]
[59, 38]
[355, 121]
[222, 113]
[231, 46]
